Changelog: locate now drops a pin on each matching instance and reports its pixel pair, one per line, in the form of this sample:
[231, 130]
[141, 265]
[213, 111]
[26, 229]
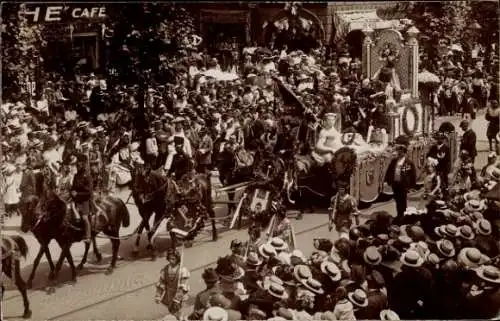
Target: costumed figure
[343, 209]
[387, 73]
[432, 183]
[328, 141]
[491, 172]
[122, 161]
[172, 288]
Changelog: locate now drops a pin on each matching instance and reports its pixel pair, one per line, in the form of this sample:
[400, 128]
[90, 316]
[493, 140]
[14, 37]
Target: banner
[289, 98]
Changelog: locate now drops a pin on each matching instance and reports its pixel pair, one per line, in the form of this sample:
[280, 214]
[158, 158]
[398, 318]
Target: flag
[289, 98]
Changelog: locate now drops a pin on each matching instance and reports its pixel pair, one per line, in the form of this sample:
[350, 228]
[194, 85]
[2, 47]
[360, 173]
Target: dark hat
[402, 140]
[236, 243]
[323, 245]
[178, 140]
[210, 276]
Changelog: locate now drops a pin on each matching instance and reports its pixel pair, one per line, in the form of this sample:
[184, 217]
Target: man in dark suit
[181, 163]
[459, 100]
[468, 142]
[401, 175]
[441, 152]
[471, 106]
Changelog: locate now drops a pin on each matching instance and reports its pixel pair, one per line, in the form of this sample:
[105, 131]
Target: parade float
[411, 115]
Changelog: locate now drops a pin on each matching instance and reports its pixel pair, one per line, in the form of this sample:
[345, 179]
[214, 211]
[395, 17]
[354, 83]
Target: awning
[347, 21]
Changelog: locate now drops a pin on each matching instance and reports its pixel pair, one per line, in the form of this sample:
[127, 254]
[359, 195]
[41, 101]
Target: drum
[369, 179]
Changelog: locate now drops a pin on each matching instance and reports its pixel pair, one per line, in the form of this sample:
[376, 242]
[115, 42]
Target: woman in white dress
[12, 194]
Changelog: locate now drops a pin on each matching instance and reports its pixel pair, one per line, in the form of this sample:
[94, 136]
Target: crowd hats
[388, 315]
[471, 257]
[253, 259]
[215, 314]
[411, 258]
[446, 248]
[483, 227]
[372, 256]
[489, 273]
[331, 270]
[313, 285]
[302, 273]
[358, 297]
[267, 251]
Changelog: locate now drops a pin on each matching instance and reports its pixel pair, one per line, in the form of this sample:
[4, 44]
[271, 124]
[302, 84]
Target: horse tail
[123, 213]
[21, 245]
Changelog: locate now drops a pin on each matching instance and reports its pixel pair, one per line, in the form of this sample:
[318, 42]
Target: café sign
[63, 13]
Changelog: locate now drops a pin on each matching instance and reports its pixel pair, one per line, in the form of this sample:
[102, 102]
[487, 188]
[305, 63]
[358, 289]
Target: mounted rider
[81, 192]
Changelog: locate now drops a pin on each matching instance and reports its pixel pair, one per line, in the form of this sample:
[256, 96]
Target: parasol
[220, 75]
[426, 77]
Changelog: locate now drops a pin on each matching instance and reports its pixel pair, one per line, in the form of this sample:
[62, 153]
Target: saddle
[96, 211]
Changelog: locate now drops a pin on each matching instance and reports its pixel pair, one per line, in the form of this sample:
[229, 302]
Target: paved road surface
[129, 292]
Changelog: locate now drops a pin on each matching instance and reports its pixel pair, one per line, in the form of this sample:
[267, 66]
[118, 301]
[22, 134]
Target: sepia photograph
[266, 160]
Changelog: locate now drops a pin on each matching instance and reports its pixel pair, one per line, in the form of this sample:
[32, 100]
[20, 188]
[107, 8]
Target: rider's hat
[178, 140]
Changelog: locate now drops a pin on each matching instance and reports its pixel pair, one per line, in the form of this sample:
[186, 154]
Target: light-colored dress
[12, 185]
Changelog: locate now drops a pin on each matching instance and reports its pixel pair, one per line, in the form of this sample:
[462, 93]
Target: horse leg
[35, 266]
[69, 257]
[115, 244]
[21, 286]
[49, 259]
[84, 258]
[97, 254]
[215, 237]
[140, 228]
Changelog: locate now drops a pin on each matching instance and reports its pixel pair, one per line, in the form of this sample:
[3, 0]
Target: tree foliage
[21, 45]
[146, 33]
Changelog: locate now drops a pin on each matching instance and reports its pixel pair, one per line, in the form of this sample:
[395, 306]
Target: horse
[307, 184]
[13, 248]
[148, 191]
[165, 196]
[52, 219]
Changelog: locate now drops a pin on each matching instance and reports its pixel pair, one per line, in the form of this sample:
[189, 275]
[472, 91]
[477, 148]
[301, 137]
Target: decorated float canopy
[350, 20]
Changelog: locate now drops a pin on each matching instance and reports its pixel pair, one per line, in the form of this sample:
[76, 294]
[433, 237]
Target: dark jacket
[470, 107]
[377, 301]
[468, 142]
[408, 174]
[82, 185]
[444, 164]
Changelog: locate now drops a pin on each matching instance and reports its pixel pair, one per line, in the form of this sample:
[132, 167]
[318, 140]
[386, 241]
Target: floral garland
[406, 129]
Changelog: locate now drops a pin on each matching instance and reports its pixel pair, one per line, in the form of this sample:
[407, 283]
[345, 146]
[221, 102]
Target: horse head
[29, 213]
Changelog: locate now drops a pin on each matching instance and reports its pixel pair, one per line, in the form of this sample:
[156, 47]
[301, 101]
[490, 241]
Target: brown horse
[56, 221]
[13, 248]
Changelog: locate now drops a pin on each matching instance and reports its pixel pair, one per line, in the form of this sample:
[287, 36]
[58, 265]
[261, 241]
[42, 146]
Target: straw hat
[388, 315]
[483, 227]
[331, 270]
[411, 258]
[448, 230]
[489, 273]
[268, 280]
[277, 291]
[253, 259]
[358, 298]
[475, 206]
[446, 248]
[302, 273]
[215, 314]
[278, 244]
[372, 256]
[471, 257]
[266, 250]
[466, 232]
[313, 286]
